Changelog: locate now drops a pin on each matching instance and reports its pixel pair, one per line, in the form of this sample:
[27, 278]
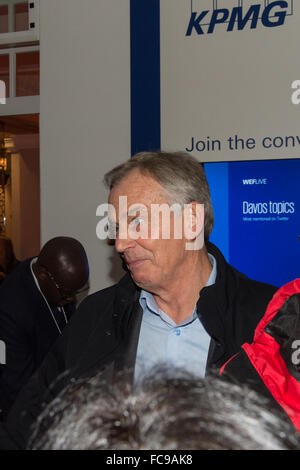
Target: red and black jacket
[271, 364]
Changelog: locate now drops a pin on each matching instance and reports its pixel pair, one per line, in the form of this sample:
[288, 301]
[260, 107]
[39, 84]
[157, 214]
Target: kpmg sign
[240, 16]
[230, 79]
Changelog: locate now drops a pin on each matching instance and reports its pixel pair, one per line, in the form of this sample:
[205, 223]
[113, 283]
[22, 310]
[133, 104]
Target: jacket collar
[215, 306]
[212, 299]
[125, 304]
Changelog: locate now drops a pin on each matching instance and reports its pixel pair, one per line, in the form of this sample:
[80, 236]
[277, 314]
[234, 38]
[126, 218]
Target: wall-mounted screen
[257, 217]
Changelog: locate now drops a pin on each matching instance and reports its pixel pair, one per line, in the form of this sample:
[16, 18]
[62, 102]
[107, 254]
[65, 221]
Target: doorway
[20, 183]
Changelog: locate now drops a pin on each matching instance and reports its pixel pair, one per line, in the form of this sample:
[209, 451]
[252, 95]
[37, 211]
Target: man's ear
[194, 225]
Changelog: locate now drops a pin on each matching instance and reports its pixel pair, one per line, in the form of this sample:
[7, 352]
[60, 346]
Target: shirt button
[177, 332]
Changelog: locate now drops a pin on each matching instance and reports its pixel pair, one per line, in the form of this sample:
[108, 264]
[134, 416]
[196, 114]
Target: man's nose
[122, 244]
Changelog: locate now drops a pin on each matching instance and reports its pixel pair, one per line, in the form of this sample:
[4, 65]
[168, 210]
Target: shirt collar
[213, 274]
[32, 262]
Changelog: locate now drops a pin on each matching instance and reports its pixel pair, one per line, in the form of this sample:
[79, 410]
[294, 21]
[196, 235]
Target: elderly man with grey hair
[180, 303]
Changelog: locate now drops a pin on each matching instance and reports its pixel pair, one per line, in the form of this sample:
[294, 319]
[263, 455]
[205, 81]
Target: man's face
[61, 289]
[153, 263]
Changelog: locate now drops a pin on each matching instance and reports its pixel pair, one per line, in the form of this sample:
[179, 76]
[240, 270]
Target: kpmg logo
[236, 15]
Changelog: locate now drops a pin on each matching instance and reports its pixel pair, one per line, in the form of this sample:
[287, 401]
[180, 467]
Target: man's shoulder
[21, 271]
[244, 298]
[104, 298]
[251, 299]
[250, 295]
[238, 282]
[95, 326]
[99, 295]
[252, 287]
[18, 291]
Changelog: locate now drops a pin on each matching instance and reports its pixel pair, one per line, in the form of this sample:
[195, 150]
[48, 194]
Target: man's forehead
[139, 189]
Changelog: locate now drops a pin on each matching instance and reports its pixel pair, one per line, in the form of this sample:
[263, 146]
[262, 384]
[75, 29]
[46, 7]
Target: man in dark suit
[36, 302]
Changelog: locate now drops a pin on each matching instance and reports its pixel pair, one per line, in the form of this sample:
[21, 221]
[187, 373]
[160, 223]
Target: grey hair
[174, 413]
[180, 174]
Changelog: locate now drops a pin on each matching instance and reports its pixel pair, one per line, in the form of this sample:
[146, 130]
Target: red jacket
[273, 359]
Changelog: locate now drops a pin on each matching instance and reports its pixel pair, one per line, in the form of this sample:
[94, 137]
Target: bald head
[62, 269]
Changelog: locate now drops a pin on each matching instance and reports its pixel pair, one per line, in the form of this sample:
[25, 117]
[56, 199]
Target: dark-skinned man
[36, 302]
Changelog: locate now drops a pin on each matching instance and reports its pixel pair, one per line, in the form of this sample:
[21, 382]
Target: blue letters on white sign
[271, 16]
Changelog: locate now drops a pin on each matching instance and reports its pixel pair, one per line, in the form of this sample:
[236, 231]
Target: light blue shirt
[162, 341]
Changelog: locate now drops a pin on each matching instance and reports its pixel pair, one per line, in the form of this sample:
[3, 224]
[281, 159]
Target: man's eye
[137, 221]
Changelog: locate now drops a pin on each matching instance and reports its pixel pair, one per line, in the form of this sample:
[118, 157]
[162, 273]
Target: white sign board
[230, 78]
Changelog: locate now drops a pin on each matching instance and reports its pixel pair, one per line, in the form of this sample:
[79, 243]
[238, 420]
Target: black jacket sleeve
[87, 340]
[18, 354]
[43, 386]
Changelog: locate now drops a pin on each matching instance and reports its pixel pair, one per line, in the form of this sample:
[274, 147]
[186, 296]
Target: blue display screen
[257, 217]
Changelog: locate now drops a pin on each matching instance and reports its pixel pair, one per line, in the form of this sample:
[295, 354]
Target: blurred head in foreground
[177, 413]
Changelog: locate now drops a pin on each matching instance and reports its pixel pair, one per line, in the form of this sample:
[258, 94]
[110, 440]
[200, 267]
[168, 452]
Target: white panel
[199, 5]
[229, 4]
[85, 118]
[248, 3]
[229, 83]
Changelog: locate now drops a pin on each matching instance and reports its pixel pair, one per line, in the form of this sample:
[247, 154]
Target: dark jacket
[104, 333]
[26, 328]
[271, 363]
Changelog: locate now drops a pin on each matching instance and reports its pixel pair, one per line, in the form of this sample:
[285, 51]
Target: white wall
[25, 202]
[229, 83]
[84, 118]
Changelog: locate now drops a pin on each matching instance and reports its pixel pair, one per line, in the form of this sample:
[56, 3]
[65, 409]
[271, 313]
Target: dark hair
[164, 413]
[180, 174]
